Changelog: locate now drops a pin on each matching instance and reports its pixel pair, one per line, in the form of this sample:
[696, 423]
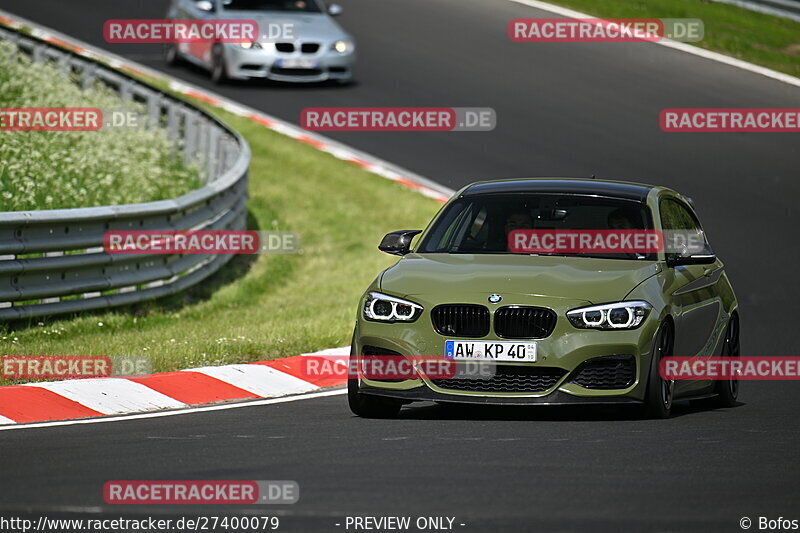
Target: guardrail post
[125, 90]
[87, 76]
[153, 111]
[189, 136]
[37, 53]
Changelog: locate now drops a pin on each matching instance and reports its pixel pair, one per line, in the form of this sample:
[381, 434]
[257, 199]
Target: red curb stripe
[33, 404]
[295, 366]
[193, 388]
[261, 120]
[202, 96]
[64, 44]
[409, 184]
[133, 70]
[312, 142]
[359, 162]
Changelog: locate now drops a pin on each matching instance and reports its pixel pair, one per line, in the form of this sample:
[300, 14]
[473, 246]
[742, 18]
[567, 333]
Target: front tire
[364, 405]
[219, 70]
[367, 406]
[728, 390]
[171, 54]
[660, 392]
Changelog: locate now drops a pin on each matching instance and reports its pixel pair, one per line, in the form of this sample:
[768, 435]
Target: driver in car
[517, 220]
[624, 218]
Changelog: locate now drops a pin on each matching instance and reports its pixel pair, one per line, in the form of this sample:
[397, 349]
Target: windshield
[303, 6]
[482, 224]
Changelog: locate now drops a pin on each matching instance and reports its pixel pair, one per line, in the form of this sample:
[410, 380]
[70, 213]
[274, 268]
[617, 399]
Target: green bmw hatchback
[553, 328]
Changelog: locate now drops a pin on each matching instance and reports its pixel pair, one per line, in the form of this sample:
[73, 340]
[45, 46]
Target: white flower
[79, 169]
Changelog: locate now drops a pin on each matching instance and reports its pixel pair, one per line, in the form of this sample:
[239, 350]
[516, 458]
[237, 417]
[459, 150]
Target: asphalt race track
[563, 109]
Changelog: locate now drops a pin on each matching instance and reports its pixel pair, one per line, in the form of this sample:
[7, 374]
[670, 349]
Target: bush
[51, 170]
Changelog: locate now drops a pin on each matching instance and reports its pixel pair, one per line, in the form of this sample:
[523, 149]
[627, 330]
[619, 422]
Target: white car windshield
[302, 6]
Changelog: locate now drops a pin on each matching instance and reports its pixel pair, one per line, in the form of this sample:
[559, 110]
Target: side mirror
[398, 242]
[334, 10]
[695, 259]
[205, 5]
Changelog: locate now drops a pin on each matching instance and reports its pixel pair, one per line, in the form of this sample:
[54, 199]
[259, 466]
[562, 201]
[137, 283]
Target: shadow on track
[554, 413]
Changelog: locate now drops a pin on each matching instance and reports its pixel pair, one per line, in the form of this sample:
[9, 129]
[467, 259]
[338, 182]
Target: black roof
[590, 187]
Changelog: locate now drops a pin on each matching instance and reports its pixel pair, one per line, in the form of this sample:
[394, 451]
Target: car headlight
[254, 45]
[621, 315]
[384, 308]
[343, 46]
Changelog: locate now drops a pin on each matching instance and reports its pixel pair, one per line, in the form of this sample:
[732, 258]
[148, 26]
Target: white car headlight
[385, 308]
[343, 47]
[247, 46]
[621, 315]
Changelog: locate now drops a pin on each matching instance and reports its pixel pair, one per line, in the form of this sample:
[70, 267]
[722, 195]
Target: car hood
[574, 278]
[308, 26]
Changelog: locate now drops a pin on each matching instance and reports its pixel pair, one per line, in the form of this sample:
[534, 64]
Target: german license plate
[297, 62]
[490, 351]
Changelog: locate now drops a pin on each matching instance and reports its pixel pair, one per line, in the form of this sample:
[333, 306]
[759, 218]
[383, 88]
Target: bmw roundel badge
[495, 298]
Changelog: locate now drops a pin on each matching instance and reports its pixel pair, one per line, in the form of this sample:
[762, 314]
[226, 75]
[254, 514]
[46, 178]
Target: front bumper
[556, 397]
[265, 63]
[563, 356]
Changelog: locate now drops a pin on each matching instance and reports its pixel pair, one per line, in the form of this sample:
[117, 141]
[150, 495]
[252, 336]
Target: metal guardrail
[53, 262]
[782, 8]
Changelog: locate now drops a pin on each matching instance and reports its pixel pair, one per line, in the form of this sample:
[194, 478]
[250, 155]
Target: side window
[676, 217]
[454, 229]
[479, 224]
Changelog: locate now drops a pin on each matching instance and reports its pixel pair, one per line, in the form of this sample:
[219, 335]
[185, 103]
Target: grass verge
[765, 40]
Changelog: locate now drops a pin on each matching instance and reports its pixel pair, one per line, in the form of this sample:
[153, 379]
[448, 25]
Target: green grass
[762, 39]
[52, 170]
[260, 307]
